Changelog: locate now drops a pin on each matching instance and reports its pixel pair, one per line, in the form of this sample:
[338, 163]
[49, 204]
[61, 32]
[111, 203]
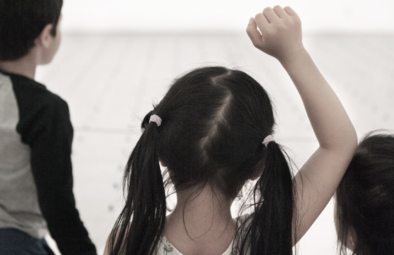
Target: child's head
[22, 22]
[365, 198]
[214, 121]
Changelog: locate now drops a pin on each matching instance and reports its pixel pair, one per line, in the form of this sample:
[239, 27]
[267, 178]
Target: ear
[45, 37]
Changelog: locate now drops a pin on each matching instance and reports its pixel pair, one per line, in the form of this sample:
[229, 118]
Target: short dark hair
[22, 21]
[365, 197]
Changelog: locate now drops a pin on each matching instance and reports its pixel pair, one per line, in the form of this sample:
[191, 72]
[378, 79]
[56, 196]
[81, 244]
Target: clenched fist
[281, 34]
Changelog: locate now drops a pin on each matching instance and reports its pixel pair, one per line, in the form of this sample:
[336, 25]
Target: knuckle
[267, 9]
[288, 20]
[296, 21]
[288, 9]
[277, 7]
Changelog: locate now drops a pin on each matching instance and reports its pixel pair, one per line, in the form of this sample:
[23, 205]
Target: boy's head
[365, 198]
[22, 22]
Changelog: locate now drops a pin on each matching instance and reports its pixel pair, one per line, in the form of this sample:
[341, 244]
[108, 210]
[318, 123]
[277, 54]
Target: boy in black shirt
[35, 138]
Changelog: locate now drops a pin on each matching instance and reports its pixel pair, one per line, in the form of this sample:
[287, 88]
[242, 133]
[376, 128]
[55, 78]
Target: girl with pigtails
[213, 131]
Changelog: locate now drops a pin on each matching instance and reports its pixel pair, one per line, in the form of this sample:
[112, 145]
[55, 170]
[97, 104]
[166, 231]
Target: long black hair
[213, 123]
[365, 198]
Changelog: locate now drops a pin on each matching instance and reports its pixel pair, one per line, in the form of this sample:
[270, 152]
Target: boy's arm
[50, 138]
[318, 179]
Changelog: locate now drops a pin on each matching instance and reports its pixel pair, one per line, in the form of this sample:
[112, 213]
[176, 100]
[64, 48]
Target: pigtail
[270, 230]
[141, 223]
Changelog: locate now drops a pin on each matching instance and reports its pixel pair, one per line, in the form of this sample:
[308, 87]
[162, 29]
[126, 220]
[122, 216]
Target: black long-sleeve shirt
[36, 179]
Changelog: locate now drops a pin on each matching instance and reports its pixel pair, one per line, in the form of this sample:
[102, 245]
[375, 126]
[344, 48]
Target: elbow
[351, 140]
[354, 141]
[344, 144]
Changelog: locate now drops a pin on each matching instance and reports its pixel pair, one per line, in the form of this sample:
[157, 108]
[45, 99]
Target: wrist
[294, 57]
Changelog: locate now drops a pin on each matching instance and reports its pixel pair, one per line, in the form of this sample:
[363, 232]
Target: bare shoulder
[109, 244]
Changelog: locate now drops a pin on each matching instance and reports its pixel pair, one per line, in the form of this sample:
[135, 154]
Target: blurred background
[163, 16]
[119, 57]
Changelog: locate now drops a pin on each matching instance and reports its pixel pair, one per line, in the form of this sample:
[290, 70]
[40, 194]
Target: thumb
[254, 34]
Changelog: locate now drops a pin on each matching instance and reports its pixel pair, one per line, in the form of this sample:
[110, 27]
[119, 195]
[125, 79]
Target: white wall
[223, 15]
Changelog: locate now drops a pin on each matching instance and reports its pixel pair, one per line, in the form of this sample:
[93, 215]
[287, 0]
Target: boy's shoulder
[29, 92]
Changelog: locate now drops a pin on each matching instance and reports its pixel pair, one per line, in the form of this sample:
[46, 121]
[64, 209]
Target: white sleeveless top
[166, 248]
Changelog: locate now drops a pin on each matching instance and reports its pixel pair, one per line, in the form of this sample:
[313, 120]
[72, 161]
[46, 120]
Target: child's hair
[214, 121]
[22, 21]
[365, 198]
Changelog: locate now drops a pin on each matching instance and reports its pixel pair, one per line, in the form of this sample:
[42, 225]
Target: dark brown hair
[214, 122]
[22, 21]
[365, 198]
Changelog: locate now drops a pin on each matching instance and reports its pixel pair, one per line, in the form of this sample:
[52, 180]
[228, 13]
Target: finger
[270, 15]
[280, 12]
[262, 22]
[290, 11]
[254, 34]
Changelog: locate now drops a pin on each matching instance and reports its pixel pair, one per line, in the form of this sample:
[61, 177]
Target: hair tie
[268, 139]
[156, 119]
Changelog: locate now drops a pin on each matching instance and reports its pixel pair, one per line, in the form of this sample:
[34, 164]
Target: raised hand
[280, 36]
[281, 33]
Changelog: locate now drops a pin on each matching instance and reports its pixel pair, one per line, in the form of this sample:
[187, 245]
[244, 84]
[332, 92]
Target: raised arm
[316, 182]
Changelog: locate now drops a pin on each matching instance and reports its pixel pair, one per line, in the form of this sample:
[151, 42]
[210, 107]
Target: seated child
[365, 199]
[35, 138]
[213, 130]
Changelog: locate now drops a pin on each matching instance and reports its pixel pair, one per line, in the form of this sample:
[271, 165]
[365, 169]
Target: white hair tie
[156, 119]
[268, 139]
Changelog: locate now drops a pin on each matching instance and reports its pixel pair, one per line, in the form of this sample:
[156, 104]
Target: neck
[25, 66]
[202, 214]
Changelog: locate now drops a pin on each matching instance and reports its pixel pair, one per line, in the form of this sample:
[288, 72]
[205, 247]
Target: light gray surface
[110, 83]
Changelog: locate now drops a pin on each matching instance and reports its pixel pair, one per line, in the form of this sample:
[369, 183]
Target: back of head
[214, 121]
[365, 197]
[21, 22]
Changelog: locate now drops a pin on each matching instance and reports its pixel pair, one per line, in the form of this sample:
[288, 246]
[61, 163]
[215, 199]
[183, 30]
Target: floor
[111, 82]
